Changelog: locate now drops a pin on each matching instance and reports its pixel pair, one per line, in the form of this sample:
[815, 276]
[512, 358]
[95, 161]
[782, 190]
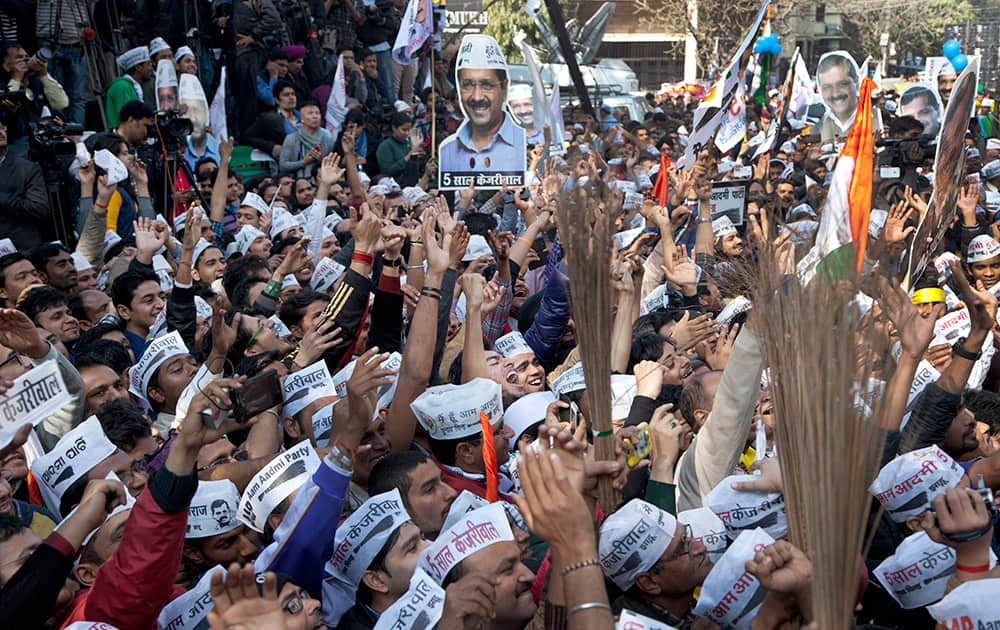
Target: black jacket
[268, 130]
[24, 204]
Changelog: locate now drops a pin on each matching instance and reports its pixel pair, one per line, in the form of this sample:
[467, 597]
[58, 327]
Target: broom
[826, 424]
[585, 218]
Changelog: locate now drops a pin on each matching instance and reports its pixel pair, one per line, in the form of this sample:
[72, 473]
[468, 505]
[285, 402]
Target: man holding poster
[488, 150]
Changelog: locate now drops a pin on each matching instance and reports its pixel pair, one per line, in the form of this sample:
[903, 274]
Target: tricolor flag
[416, 26]
[843, 230]
[217, 111]
[336, 104]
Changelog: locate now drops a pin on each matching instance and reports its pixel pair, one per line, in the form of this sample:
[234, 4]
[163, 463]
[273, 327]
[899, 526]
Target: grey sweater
[297, 145]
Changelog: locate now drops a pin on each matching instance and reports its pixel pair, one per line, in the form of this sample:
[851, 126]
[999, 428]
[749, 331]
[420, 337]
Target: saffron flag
[489, 458]
[416, 26]
[661, 189]
[844, 227]
[336, 104]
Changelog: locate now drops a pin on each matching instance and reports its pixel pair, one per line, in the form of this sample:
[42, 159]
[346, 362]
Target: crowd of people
[329, 394]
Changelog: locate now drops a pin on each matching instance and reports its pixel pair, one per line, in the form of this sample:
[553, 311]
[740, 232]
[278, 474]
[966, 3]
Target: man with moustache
[837, 76]
[489, 141]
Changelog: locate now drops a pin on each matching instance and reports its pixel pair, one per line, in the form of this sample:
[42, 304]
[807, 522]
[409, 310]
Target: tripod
[172, 161]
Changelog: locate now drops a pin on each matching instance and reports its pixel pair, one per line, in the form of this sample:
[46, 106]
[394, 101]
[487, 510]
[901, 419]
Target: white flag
[336, 105]
[414, 29]
[558, 145]
[802, 90]
[217, 112]
[734, 126]
[538, 100]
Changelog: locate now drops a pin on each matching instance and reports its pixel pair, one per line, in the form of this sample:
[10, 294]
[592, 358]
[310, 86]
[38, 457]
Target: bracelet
[983, 568]
[420, 243]
[393, 262]
[408, 267]
[701, 220]
[426, 293]
[598, 434]
[566, 570]
[958, 350]
[587, 606]
[525, 239]
[362, 257]
[272, 288]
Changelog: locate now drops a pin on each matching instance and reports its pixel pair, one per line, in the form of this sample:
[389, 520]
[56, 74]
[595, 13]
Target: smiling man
[837, 76]
[489, 142]
[48, 309]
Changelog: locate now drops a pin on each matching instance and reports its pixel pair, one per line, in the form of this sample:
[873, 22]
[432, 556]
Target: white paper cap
[730, 596]
[199, 249]
[512, 344]
[633, 539]
[305, 386]
[110, 240]
[246, 236]
[213, 509]
[80, 262]
[974, 604]
[275, 482]
[190, 89]
[991, 170]
[182, 52]
[289, 281]
[326, 273]
[467, 502]
[190, 610]
[255, 201]
[156, 354]
[477, 248]
[202, 308]
[157, 45]
[7, 247]
[478, 530]
[451, 412]
[281, 220]
[74, 455]
[983, 247]
[356, 543]
[723, 226]
[480, 52]
[623, 391]
[519, 91]
[907, 485]
[571, 380]
[413, 194]
[525, 412]
[742, 510]
[166, 74]
[132, 58]
[708, 529]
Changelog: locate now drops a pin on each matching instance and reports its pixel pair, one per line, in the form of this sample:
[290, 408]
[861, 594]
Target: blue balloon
[952, 49]
[776, 49]
[959, 62]
[758, 48]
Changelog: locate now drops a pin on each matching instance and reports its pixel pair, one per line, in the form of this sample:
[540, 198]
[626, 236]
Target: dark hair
[692, 397]
[205, 160]
[398, 119]
[986, 407]
[240, 297]
[280, 85]
[377, 564]
[652, 322]
[294, 308]
[123, 423]
[254, 364]
[444, 450]
[135, 110]
[98, 330]
[393, 471]
[6, 261]
[309, 103]
[124, 287]
[241, 269]
[42, 254]
[277, 54]
[648, 347]
[39, 299]
[279, 246]
[354, 116]
[480, 223]
[102, 352]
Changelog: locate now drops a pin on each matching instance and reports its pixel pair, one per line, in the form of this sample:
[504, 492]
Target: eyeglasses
[684, 545]
[484, 85]
[294, 605]
[260, 329]
[14, 356]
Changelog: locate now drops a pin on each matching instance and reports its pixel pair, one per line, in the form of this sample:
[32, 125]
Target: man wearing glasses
[489, 148]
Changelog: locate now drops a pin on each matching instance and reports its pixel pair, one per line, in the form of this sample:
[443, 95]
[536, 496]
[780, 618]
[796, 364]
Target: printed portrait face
[837, 78]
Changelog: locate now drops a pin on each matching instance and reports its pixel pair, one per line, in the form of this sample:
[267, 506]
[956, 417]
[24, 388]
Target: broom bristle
[585, 230]
[829, 445]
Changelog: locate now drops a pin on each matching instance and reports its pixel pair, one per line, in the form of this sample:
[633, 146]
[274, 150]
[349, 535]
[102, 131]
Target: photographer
[28, 75]
[24, 206]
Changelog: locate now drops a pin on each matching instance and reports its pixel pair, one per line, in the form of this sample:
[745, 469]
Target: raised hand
[718, 355]
[688, 332]
[671, 436]
[459, 243]
[981, 303]
[19, 333]
[474, 287]
[492, 294]
[367, 230]
[648, 378]
[148, 239]
[895, 230]
[915, 331]
[782, 567]
[967, 200]
[681, 271]
[330, 171]
[367, 378]
[470, 602]
[436, 253]
[317, 340]
[238, 603]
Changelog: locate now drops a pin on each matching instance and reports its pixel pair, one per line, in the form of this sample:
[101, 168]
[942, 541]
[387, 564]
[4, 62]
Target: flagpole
[433, 105]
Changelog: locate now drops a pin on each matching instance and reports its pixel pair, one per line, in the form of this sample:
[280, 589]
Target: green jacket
[121, 91]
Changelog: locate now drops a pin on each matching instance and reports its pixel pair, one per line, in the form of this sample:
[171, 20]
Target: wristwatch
[958, 350]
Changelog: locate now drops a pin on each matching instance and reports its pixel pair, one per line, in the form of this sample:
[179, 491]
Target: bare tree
[916, 28]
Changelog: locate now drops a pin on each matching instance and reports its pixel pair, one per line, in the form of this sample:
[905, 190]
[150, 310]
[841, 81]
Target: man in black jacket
[24, 206]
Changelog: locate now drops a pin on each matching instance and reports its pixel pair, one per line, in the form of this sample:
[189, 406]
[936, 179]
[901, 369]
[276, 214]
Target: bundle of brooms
[585, 215]
[826, 413]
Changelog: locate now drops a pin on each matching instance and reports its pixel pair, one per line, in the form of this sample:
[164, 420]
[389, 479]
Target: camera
[170, 129]
[51, 138]
[903, 152]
